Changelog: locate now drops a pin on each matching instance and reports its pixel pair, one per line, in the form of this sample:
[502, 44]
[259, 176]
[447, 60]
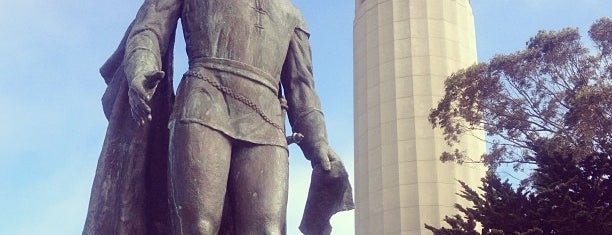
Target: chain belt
[241, 98]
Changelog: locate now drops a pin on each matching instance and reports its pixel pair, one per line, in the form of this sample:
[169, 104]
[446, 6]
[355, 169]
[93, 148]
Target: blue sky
[51, 120]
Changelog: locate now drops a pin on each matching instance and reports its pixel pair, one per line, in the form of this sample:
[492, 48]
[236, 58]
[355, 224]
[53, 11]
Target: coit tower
[403, 52]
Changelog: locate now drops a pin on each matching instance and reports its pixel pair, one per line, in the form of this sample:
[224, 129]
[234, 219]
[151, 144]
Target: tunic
[247, 47]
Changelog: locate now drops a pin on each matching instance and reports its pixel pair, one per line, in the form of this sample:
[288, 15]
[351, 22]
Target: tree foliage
[553, 89]
[569, 196]
[572, 195]
[550, 106]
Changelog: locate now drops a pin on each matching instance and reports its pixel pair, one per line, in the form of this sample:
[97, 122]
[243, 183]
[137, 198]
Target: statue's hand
[141, 91]
[322, 154]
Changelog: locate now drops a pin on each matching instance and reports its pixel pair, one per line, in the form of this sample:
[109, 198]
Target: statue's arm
[147, 41]
[305, 115]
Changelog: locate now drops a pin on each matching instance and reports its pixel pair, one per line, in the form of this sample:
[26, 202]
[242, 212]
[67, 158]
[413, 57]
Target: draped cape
[129, 193]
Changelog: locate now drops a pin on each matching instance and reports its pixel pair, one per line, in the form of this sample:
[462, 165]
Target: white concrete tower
[403, 51]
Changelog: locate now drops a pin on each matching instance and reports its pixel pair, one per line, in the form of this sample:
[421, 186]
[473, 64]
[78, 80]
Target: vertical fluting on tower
[403, 52]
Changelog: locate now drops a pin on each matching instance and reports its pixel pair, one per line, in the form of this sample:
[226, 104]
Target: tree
[572, 195]
[568, 196]
[553, 88]
[499, 210]
[548, 106]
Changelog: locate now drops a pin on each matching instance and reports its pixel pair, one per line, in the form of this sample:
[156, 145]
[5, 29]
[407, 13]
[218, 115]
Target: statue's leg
[199, 167]
[258, 186]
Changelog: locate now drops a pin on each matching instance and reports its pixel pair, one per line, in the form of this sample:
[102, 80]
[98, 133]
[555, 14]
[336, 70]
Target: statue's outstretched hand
[141, 91]
[322, 154]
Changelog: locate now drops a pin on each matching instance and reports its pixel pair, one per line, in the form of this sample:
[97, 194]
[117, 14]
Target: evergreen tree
[499, 210]
[572, 196]
[568, 196]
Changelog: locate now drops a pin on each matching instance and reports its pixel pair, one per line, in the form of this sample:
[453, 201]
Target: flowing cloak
[130, 191]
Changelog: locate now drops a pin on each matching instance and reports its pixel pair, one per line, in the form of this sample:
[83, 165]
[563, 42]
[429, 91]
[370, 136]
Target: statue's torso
[254, 32]
[241, 45]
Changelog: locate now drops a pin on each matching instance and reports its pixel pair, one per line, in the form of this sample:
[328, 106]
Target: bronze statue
[213, 159]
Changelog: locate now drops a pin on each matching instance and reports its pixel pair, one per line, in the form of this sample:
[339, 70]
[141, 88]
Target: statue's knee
[272, 228]
[204, 227]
